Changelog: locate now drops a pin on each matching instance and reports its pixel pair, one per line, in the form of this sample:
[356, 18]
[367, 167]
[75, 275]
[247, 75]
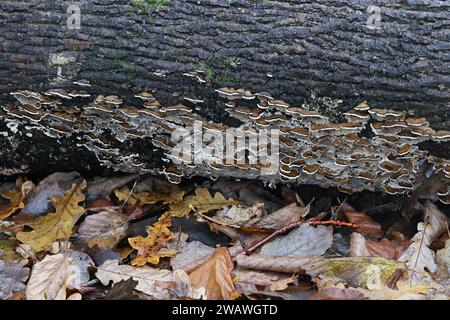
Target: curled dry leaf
[201, 202]
[51, 277]
[103, 187]
[366, 224]
[214, 276]
[158, 283]
[12, 277]
[153, 247]
[419, 258]
[305, 240]
[57, 225]
[389, 249]
[103, 230]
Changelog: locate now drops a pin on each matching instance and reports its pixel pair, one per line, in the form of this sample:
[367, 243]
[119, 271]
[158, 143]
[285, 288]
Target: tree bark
[289, 49]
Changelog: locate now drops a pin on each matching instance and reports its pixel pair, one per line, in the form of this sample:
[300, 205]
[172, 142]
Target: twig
[129, 194]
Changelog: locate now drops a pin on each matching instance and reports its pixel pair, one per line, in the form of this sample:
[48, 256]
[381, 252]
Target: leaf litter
[68, 238]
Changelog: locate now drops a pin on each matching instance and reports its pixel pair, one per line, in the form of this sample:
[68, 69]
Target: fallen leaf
[247, 280]
[100, 255]
[357, 271]
[123, 290]
[419, 258]
[238, 214]
[104, 229]
[103, 187]
[201, 202]
[8, 250]
[15, 198]
[403, 292]
[38, 201]
[12, 277]
[55, 274]
[152, 248]
[337, 294]
[290, 264]
[214, 276]
[57, 225]
[158, 283]
[305, 240]
[125, 196]
[443, 261]
[365, 223]
[192, 253]
[389, 249]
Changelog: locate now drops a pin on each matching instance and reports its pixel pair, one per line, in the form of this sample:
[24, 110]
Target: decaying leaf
[366, 224]
[201, 202]
[443, 261]
[15, 198]
[152, 248]
[104, 229]
[362, 272]
[8, 250]
[305, 240]
[247, 280]
[419, 258]
[57, 225]
[123, 290]
[55, 274]
[403, 292]
[191, 253]
[389, 249]
[158, 283]
[103, 187]
[12, 277]
[214, 276]
[238, 214]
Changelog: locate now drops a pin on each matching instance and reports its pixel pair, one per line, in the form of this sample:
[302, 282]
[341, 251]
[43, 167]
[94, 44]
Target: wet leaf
[55, 274]
[12, 278]
[305, 240]
[214, 276]
[158, 283]
[366, 224]
[57, 225]
[104, 229]
[201, 202]
[152, 248]
[389, 249]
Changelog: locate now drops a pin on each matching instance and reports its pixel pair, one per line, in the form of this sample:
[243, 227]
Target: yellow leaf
[214, 275]
[202, 202]
[167, 196]
[15, 198]
[151, 248]
[56, 225]
[123, 194]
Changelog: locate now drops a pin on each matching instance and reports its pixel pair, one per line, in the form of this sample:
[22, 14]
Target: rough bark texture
[285, 48]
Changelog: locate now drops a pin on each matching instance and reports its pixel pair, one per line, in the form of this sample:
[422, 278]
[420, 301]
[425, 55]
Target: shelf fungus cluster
[374, 149]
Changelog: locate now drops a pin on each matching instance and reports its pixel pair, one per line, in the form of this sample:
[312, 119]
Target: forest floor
[114, 238]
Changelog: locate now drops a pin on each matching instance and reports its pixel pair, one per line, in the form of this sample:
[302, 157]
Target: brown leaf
[152, 248]
[389, 249]
[337, 294]
[305, 240]
[103, 187]
[366, 224]
[104, 229]
[247, 280]
[274, 263]
[15, 198]
[12, 278]
[192, 253]
[215, 277]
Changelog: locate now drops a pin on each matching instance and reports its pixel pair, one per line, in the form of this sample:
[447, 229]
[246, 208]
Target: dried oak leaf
[15, 198]
[55, 274]
[103, 230]
[152, 248]
[419, 257]
[201, 202]
[304, 241]
[56, 225]
[158, 283]
[12, 277]
[357, 271]
[214, 276]
[389, 249]
[365, 223]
